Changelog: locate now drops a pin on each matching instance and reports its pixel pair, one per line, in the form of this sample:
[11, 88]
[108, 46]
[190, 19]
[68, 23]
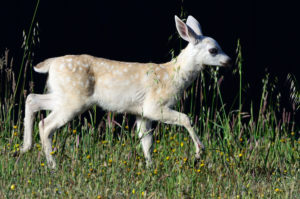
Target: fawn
[147, 90]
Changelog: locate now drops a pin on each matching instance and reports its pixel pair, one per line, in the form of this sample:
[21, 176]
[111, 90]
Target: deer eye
[213, 51]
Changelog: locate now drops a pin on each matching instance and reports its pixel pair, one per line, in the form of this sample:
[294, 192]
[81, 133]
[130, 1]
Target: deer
[146, 90]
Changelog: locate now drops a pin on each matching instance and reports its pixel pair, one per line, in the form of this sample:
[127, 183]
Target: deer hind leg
[34, 103]
[47, 127]
[146, 136]
[168, 116]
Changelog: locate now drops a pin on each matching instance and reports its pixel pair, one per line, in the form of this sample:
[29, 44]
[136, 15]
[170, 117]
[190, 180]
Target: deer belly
[119, 99]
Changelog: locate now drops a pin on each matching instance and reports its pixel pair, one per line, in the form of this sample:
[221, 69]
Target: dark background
[138, 30]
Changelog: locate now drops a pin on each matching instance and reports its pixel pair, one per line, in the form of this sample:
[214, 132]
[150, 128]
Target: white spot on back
[70, 66]
[125, 70]
[87, 83]
[166, 76]
[117, 72]
[61, 67]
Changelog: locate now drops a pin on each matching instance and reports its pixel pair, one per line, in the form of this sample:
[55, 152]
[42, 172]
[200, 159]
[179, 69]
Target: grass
[91, 167]
[248, 155]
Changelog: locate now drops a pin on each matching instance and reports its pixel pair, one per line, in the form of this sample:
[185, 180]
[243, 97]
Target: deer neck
[185, 67]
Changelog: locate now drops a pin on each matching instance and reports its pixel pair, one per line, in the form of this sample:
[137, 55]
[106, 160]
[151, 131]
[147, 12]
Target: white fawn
[147, 90]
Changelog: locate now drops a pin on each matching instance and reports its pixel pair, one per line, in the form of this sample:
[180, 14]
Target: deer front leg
[146, 136]
[168, 116]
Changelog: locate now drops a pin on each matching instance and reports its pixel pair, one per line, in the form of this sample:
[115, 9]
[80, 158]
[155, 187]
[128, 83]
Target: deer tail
[44, 66]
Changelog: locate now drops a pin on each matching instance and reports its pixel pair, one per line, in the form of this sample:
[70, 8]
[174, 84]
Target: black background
[139, 30]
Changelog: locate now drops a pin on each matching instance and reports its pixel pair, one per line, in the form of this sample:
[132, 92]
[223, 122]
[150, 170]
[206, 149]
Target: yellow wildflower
[98, 197]
[240, 155]
[181, 144]
[282, 140]
[277, 190]
[157, 141]
[110, 161]
[15, 127]
[13, 187]
[292, 133]
[143, 193]
[15, 133]
[168, 157]
[155, 171]
[74, 131]
[127, 127]
[88, 157]
[155, 150]
[133, 191]
[42, 164]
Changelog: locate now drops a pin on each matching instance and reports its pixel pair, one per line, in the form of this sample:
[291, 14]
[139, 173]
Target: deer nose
[227, 63]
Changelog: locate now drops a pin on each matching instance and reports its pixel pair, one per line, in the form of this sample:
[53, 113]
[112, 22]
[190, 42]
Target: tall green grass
[247, 156]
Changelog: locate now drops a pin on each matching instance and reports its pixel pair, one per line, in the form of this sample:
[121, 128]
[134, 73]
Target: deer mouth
[227, 63]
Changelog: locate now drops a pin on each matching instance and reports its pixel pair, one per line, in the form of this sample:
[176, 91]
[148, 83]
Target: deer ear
[185, 31]
[194, 24]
